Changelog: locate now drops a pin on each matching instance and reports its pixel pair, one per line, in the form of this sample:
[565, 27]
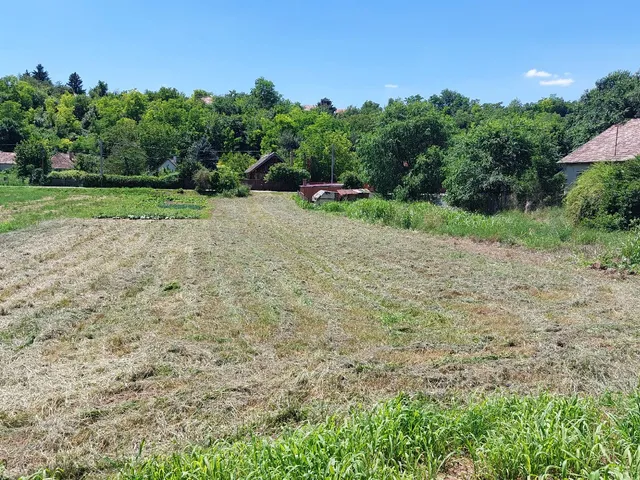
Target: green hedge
[77, 178]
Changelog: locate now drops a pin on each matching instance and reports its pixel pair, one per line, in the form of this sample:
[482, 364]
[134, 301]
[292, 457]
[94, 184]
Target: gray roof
[263, 159]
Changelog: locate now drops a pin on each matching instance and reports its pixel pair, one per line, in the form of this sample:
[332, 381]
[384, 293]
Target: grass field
[115, 333]
[24, 206]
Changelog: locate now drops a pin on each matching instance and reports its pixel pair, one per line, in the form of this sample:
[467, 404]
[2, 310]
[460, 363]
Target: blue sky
[349, 51]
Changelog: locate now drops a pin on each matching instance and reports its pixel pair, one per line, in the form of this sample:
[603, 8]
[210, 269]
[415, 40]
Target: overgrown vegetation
[544, 229]
[289, 178]
[607, 196]
[24, 206]
[505, 437]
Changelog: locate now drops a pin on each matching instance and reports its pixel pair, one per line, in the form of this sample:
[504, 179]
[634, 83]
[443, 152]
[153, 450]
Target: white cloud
[537, 73]
[391, 85]
[559, 82]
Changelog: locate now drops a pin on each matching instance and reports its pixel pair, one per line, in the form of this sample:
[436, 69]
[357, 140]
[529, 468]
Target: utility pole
[333, 160]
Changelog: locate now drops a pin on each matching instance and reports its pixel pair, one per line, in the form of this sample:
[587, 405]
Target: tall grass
[546, 229]
[506, 437]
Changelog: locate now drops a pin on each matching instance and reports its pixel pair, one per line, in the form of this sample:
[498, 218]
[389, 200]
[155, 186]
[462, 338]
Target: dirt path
[115, 331]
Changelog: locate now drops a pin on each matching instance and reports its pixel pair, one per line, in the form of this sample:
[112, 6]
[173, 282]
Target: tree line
[486, 155]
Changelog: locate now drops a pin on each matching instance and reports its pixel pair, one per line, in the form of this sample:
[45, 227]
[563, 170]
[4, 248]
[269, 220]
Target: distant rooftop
[7, 158]
[616, 144]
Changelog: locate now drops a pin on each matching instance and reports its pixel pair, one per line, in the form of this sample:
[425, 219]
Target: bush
[83, 179]
[286, 176]
[626, 258]
[351, 180]
[606, 196]
[227, 179]
[243, 191]
[202, 180]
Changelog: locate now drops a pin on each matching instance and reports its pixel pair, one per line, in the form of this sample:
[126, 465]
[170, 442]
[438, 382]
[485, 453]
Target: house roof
[171, 161]
[62, 161]
[616, 144]
[263, 159]
[7, 158]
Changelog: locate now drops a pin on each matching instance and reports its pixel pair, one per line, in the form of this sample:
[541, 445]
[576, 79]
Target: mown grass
[544, 229]
[24, 206]
[500, 436]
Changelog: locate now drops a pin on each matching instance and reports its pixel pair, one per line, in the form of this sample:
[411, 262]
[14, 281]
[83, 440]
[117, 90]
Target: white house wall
[573, 171]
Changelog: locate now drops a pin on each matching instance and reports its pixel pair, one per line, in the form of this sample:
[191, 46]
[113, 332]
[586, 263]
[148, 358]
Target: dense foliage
[289, 178]
[487, 156]
[607, 195]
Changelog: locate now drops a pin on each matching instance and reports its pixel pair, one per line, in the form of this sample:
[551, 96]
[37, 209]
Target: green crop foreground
[508, 437]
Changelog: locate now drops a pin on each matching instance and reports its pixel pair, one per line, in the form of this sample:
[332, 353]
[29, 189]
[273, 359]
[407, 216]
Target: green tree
[238, 162]
[502, 161]
[615, 98]
[75, 84]
[391, 151]
[41, 74]
[11, 125]
[202, 152]
[264, 93]
[32, 154]
[321, 142]
[424, 178]
[100, 90]
[326, 105]
[126, 159]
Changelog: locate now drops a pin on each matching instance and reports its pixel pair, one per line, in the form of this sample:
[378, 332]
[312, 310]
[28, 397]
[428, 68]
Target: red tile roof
[7, 158]
[616, 144]
[62, 161]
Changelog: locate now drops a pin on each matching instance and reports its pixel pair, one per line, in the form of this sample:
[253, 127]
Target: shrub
[286, 176]
[243, 191]
[84, 179]
[87, 163]
[37, 177]
[606, 196]
[202, 180]
[227, 179]
[351, 180]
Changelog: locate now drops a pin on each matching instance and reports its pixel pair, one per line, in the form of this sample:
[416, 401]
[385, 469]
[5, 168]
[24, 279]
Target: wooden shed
[259, 170]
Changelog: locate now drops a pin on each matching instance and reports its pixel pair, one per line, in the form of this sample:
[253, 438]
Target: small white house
[170, 165]
[618, 143]
[324, 196]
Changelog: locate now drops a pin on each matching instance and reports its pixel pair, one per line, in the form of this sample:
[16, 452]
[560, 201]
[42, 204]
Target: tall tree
[265, 94]
[201, 151]
[100, 90]
[30, 155]
[326, 105]
[75, 84]
[41, 74]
